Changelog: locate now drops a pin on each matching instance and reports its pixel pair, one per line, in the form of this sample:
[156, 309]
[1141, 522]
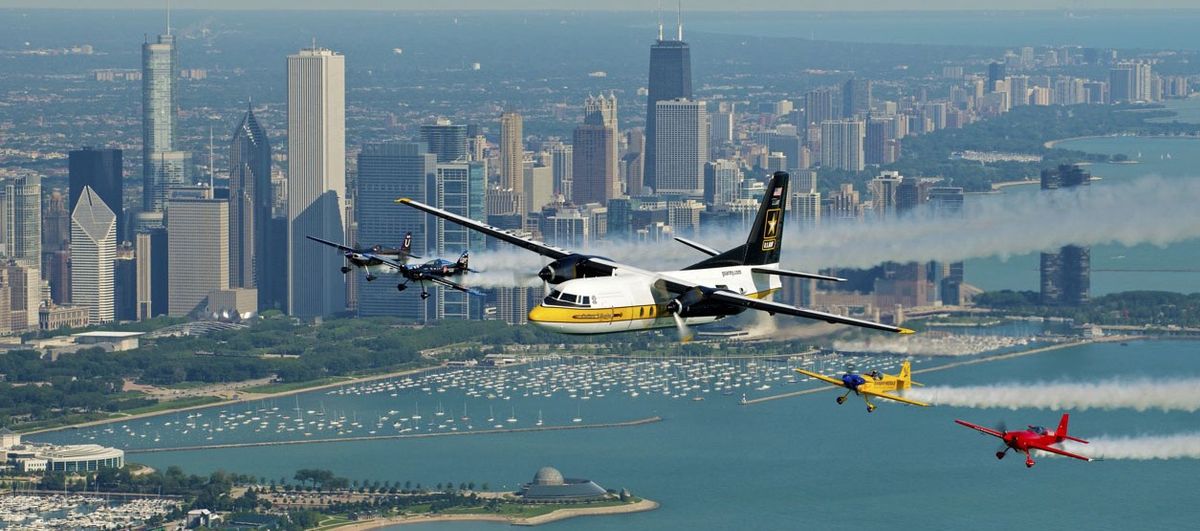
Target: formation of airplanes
[595, 295]
[378, 260]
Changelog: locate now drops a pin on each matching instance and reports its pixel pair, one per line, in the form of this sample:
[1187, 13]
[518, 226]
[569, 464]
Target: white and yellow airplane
[872, 384]
[595, 295]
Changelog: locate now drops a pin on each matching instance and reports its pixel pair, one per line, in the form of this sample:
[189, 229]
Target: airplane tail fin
[905, 375]
[1061, 431]
[463, 261]
[406, 247]
[766, 235]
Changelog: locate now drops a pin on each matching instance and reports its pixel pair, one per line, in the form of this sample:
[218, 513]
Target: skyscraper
[459, 189]
[446, 140]
[316, 180]
[681, 146]
[856, 97]
[594, 173]
[722, 182]
[23, 219]
[1066, 274]
[512, 159]
[819, 106]
[876, 142]
[385, 172]
[100, 169]
[996, 72]
[562, 160]
[842, 145]
[198, 262]
[670, 79]
[160, 110]
[93, 249]
[250, 199]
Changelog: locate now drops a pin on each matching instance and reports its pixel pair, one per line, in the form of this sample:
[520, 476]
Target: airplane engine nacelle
[571, 267]
[679, 305]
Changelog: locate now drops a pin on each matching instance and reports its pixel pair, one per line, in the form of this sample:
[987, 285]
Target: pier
[623, 424]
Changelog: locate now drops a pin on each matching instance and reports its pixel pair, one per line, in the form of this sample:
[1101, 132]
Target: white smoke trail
[1139, 395]
[1141, 448]
[930, 345]
[1146, 210]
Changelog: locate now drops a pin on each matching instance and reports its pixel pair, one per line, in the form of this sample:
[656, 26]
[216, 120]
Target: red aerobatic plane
[1034, 438]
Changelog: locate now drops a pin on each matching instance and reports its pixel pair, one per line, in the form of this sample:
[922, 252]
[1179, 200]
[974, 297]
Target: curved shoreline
[246, 397]
[561, 514]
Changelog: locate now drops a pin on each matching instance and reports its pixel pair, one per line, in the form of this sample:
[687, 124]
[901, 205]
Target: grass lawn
[172, 404]
[292, 386]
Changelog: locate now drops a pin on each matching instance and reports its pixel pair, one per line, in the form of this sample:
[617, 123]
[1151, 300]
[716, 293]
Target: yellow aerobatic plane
[871, 384]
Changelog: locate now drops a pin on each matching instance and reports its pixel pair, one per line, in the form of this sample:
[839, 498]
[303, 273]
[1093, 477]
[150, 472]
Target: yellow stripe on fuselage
[558, 314]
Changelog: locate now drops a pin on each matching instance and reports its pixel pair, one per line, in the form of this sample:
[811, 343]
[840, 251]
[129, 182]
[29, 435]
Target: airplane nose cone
[541, 316]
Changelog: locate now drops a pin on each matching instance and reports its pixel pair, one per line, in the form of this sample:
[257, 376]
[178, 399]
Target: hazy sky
[625, 5]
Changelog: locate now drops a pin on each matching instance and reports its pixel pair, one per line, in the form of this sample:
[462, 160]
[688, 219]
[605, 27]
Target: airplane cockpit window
[568, 297]
[585, 300]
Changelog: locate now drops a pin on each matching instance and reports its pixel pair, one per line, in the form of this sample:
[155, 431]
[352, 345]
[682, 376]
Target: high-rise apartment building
[681, 146]
[856, 97]
[722, 182]
[842, 145]
[1066, 274]
[316, 180]
[446, 140]
[512, 159]
[93, 249]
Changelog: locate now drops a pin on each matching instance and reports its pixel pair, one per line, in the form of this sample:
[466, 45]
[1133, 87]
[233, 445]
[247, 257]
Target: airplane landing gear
[841, 400]
[1000, 455]
[424, 295]
[1029, 463]
[370, 278]
[870, 408]
[401, 287]
[345, 269]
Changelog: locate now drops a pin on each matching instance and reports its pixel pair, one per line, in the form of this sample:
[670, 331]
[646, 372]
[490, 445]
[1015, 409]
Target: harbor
[27, 512]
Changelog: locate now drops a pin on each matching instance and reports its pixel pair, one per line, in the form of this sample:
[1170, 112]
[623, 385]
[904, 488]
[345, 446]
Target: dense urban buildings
[198, 261]
[316, 180]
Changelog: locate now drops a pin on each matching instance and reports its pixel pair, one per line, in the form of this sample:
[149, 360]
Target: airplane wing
[495, 232]
[738, 299]
[453, 285]
[896, 398]
[1054, 450]
[331, 244]
[821, 377]
[977, 427]
[398, 266]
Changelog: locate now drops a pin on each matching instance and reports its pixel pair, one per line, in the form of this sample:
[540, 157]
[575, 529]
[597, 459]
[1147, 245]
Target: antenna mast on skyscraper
[212, 170]
[168, 17]
[660, 21]
[679, 21]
